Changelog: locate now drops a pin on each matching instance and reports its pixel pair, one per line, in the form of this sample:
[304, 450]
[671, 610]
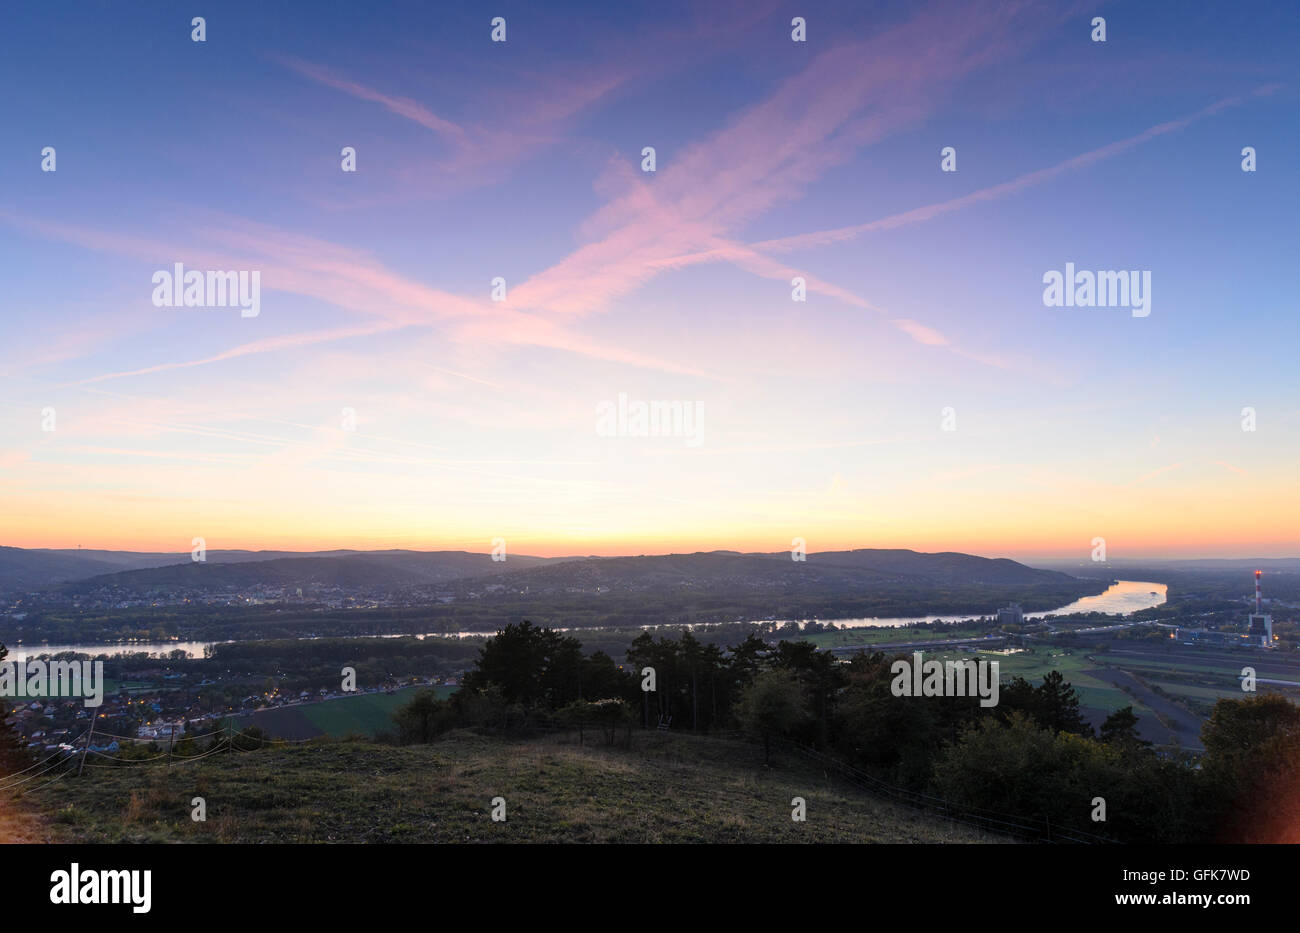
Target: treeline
[1033, 755]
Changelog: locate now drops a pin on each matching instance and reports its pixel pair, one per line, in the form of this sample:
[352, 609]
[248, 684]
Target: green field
[368, 714]
[665, 788]
[1034, 665]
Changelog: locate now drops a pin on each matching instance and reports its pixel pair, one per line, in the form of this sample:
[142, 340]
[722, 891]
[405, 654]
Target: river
[1122, 598]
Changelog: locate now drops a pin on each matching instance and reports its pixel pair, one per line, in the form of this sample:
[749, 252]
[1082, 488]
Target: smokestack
[1259, 599]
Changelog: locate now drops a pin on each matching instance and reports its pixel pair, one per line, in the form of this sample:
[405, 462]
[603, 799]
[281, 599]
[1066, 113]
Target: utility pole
[171, 742]
[89, 735]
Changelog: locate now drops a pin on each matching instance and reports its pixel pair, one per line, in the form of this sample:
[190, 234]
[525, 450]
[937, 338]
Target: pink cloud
[402, 106]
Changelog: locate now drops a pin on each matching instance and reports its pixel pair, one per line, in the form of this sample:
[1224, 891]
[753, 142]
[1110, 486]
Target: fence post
[90, 735]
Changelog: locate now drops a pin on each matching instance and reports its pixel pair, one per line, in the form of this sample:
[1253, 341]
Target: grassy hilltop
[667, 788]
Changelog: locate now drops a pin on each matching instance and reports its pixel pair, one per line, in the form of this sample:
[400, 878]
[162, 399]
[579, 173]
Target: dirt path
[20, 822]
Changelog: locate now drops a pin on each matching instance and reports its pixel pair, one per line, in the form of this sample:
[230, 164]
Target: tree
[13, 756]
[640, 654]
[747, 659]
[692, 654]
[1058, 706]
[601, 677]
[246, 740]
[1018, 769]
[534, 667]
[896, 736]
[821, 674]
[613, 714]
[424, 718]
[1053, 704]
[1251, 765]
[578, 713]
[773, 704]
[1120, 729]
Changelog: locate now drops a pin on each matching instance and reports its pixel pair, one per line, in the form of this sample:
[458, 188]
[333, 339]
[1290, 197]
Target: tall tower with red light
[1261, 625]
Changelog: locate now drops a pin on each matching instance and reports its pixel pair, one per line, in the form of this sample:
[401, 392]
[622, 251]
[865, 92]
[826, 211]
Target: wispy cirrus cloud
[267, 345]
[347, 278]
[1006, 188]
[847, 98]
[486, 151]
[401, 106]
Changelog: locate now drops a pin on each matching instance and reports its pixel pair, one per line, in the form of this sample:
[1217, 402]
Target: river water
[1122, 598]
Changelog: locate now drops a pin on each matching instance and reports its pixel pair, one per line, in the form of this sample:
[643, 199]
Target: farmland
[367, 714]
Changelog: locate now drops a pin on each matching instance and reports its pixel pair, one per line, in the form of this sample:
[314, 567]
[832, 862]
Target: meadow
[664, 788]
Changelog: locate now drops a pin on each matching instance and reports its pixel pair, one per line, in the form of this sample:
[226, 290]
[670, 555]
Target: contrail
[1016, 185]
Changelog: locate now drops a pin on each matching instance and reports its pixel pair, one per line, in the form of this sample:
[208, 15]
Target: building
[1258, 634]
[1012, 615]
[1214, 639]
[1260, 624]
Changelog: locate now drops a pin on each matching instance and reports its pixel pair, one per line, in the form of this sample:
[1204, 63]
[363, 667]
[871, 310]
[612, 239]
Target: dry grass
[666, 788]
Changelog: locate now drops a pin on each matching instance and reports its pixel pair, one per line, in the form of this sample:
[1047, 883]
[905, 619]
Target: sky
[922, 395]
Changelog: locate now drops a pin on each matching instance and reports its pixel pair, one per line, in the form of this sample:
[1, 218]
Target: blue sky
[522, 160]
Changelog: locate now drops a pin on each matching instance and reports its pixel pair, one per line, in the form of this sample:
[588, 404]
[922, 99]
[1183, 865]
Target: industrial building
[1011, 615]
[1258, 634]
[1261, 625]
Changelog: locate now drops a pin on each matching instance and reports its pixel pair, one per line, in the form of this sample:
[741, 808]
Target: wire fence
[78, 755]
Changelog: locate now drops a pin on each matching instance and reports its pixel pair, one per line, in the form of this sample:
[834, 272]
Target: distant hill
[945, 566]
[394, 569]
[379, 569]
[24, 569]
[718, 571]
[33, 568]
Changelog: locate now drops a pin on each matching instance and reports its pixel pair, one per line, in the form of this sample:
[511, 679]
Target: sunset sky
[477, 419]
